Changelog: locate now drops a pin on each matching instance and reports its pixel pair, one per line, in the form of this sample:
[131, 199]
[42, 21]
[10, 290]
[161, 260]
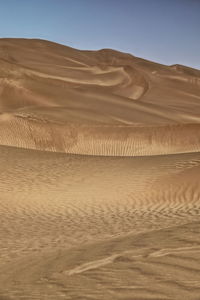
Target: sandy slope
[88, 102]
[86, 227]
[111, 210]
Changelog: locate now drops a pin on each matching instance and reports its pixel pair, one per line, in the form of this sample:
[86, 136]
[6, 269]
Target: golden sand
[99, 175]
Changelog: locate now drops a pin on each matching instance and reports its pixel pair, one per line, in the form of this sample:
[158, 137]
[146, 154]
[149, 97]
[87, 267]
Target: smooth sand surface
[99, 175]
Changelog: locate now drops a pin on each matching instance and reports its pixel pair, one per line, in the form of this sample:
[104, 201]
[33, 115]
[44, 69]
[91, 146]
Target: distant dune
[109, 206]
[95, 102]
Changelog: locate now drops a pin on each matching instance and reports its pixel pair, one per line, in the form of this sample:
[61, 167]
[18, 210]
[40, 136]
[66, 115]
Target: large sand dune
[102, 103]
[108, 208]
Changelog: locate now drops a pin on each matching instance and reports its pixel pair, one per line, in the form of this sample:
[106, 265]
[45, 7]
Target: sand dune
[98, 103]
[99, 227]
[99, 175]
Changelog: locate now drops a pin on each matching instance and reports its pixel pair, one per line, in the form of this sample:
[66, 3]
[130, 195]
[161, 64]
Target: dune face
[99, 175]
[101, 103]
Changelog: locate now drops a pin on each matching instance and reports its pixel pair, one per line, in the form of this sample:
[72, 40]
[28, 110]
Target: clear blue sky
[166, 31]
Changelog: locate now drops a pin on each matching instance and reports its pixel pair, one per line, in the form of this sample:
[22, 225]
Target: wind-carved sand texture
[99, 178]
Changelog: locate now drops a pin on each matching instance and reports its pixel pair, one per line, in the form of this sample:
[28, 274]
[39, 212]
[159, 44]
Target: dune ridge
[72, 96]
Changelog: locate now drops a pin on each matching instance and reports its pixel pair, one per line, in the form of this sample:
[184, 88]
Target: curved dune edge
[105, 140]
[109, 103]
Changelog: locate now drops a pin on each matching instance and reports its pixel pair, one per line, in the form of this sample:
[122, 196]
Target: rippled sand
[99, 175]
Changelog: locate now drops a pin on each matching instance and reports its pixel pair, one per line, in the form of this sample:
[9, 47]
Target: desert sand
[99, 175]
